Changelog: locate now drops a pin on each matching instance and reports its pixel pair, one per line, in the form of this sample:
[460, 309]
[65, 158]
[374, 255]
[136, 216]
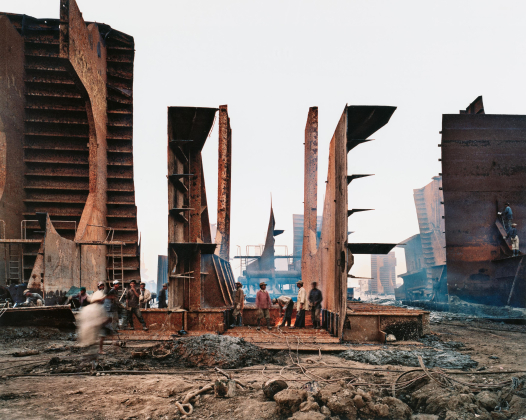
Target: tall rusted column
[309, 271]
[224, 184]
[194, 289]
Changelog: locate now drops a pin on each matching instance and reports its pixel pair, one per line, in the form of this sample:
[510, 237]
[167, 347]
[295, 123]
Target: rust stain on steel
[483, 168]
[199, 281]
[356, 124]
[224, 184]
[59, 169]
[367, 322]
[309, 260]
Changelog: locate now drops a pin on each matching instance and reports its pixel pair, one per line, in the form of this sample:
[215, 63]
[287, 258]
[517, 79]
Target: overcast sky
[270, 61]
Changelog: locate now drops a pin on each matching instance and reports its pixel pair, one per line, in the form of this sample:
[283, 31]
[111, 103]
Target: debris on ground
[447, 359]
[218, 350]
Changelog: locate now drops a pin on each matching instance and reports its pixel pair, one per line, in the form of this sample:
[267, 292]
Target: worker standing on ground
[114, 306]
[146, 296]
[163, 297]
[513, 234]
[132, 306]
[507, 217]
[263, 304]
[301, 306]
[315, 298]
[287, 303]
[239, 303]
[32, 299]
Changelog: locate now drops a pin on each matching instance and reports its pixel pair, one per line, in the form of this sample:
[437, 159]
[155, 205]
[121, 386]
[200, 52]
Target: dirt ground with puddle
[149, 378]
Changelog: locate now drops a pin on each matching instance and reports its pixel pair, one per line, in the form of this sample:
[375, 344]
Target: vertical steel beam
[224, 183]
[309, 266]
[194, 290]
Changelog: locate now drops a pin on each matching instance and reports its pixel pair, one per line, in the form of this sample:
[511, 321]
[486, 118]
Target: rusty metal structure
[482, 168]
[425, 253]
[201, 283]
[66, 146]
[335, 255]
[309, 258]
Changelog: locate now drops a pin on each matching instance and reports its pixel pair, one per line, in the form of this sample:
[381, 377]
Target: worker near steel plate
[507, 217]
[302, 305]
[263, 304]
[32, 299]
[82, 297]
[513, 234]
[287, 303]
[163, 297]
[114, 307]
[132, 306]
[315, 298]
[146, 296]
[239, 303]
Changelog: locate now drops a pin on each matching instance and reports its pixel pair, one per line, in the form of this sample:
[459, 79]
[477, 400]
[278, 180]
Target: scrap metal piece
[309, 260]
[370, 248]
[224, 184]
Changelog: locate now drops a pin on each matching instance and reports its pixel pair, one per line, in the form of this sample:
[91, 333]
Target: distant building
[162, 271]
[297, 221]
[425, 253]
[383, 274]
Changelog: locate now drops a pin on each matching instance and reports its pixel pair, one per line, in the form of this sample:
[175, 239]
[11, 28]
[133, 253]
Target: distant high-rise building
[383, 274]
[297, 221]
[162, 271]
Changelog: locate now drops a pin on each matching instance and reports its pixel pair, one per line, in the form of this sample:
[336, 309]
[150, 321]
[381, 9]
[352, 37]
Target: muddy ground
[147, 380]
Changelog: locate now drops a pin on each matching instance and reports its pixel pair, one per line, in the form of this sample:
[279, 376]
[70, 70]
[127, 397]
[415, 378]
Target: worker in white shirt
[301, 306]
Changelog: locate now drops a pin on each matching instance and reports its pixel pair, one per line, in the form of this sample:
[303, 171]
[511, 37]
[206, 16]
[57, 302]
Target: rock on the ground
[253, 409]
[518, 406]
[487, 400]
[449, 359]
[325, 410]
[289, 400]
[340, 403]
[311, 415]
[218, 350]
[398, 410]
[309, 406]
[273, 386]
[424, 417]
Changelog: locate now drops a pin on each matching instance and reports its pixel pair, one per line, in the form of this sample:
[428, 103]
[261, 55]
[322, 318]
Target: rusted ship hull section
[77, 163]
[482, 168]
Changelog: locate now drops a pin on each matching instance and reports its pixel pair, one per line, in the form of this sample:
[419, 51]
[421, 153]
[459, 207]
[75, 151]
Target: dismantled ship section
[482, 169]
[425, 253]
[201, 282]
[67, 202]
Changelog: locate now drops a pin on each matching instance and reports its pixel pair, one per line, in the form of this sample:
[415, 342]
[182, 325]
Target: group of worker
[510, 228]
[264, 303]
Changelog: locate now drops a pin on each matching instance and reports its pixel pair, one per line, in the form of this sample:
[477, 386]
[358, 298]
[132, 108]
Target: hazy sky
[270, 61]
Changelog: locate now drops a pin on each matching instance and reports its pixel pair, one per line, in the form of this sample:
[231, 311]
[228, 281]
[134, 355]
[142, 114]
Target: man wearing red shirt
[263, 304]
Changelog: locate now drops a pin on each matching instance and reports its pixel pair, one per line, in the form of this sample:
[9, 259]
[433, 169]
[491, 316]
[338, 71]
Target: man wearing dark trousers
[132, 305]
[163, 297]
[315, 298]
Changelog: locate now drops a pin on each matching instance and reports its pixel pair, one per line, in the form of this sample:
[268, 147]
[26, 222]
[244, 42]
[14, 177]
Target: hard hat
[100, 283]
[514, 224]
[238, 282]
[262, 283]
[116, 281]
[27, 291]
[300, 282]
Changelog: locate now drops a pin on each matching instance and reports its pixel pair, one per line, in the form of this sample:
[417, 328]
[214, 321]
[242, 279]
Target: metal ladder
[116, 268]
[13, 268]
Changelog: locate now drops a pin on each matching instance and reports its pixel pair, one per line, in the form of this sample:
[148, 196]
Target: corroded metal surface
[44, 316]
[309, 259]
[224, 184]
[356, 124]
[482, 168]
[60, 169]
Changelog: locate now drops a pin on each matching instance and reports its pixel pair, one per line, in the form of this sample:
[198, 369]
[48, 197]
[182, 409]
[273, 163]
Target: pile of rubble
[217, 350]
